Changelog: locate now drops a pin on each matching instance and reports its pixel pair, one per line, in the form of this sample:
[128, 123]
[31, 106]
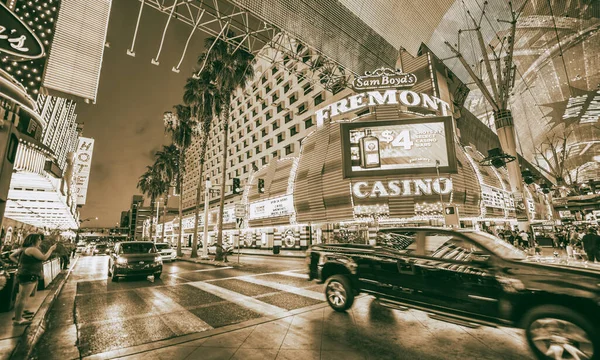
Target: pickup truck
[470, 278]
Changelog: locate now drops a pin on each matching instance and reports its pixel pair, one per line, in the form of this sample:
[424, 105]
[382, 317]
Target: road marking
[201, 270]
[287, 288]
[175, 316]
[241, 276]
[239, 299]
[294, 273]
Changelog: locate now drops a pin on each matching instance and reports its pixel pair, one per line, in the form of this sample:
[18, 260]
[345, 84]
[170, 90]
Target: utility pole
[207, 189]
[498, 94]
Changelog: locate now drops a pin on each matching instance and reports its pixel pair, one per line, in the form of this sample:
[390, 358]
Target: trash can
[276, 249]
[8, 295]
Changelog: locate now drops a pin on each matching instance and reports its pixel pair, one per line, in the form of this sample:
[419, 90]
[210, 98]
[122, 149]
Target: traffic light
[261, 186]
[237, 189]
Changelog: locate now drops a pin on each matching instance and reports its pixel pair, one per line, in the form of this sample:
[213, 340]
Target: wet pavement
[94, 315]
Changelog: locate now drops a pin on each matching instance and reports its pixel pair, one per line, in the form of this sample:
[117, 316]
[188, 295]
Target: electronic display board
[388, 147]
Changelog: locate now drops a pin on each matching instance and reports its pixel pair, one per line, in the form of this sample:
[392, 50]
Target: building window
[245, 169]
[275, 154]
[265, 132]
[267, 89]
[248, 129]
[293, 98]
[254, 112]
[269, 143]
[308, 123]
[319, 99]
[268, 116]
[275, 125]
[280, 137]
[264, 105]
[248, 154]
[258, 123]
[257, 149]
[264, 79]
[294, 130]
[274, 70]
[288, 117]
[264, 160]
[279, 107]
[279, 79]
[302, 108]
[245, 143]
[240, 159]
[275, 97]
[289, 149]
[286, 87]
[307, 88]
[254, 138]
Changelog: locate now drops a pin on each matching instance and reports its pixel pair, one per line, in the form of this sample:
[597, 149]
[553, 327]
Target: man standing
[590, 244]
[525, 238]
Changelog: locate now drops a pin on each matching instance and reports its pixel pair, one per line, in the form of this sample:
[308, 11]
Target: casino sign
[17, 40]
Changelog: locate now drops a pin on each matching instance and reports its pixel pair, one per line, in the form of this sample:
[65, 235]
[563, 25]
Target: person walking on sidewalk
[30, 267]
[590, 244]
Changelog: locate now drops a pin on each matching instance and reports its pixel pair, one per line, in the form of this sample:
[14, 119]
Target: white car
[166, 252]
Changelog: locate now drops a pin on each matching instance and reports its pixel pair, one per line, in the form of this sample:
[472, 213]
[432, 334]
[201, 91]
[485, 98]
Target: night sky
[126, 120]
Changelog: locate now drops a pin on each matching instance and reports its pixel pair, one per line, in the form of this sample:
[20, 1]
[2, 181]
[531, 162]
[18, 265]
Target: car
[166, 251]
[101, 249]
[81, 246]
[131, 258]
[469, 278]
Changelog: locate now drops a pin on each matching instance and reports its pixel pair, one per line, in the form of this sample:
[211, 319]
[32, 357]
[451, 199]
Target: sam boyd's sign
[413, 187]
[383, 78]
[280, 206]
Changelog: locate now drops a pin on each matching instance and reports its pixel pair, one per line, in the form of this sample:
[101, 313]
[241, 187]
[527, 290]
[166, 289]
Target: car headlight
[121, 261]
[158, 259]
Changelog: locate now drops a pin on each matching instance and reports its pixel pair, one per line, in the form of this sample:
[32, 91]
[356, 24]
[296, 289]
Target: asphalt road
[192, 298]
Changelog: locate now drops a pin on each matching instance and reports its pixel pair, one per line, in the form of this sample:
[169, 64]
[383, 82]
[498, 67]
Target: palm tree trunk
[199, 189]
[152, 204]
[165, 215]
[225, 112]
[180, 193]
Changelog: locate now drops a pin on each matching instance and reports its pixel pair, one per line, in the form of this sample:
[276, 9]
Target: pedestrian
[573, 240]
[590, 244]
[30, 259]
[524, 238]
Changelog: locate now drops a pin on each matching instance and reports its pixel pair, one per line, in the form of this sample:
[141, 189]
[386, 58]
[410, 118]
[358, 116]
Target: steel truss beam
[235, 25]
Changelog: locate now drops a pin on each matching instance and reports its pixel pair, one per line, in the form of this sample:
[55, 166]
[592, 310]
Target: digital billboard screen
[388, 147]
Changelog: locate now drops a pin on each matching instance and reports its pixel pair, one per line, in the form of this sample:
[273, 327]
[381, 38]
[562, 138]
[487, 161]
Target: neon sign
[383, 78]
[16, 38]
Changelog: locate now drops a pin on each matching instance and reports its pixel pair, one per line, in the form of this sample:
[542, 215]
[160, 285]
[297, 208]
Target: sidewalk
[9, 334]
[25, 337]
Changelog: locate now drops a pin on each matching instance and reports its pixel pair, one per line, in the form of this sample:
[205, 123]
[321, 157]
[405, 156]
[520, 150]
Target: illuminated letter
[404, 98]
[406, 186]
[85, 146]
[322, 114]
[394, 186]
[422, 187]
[356, 189]
[437, 186]
[338, 107]
[388, 97]
[378, 190]
[356, 101]
[445, 107]
[429, 102]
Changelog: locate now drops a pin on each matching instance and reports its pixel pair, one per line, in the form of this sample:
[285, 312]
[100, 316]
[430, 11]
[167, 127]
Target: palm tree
[230, 68]
[166, 164]
[200, 94]
[152, 184]
[182, 127]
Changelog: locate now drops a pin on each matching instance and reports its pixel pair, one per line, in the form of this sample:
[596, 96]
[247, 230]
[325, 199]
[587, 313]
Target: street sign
[240, 211]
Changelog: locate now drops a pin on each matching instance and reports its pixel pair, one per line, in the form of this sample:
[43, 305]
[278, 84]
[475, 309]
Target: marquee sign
[17, 40]
[390, 147]
[383, 78]
[83, 163]
[279, 206]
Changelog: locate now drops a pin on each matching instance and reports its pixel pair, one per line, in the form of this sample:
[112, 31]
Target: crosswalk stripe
[294, 273]
[239, 299]
[287, 288]
[175, 316]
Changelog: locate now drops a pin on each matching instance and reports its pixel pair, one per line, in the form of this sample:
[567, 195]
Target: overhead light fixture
[497, 158]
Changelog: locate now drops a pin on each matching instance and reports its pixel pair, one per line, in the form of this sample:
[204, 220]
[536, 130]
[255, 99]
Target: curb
[36, 329]
[204, 262]
[302, 256]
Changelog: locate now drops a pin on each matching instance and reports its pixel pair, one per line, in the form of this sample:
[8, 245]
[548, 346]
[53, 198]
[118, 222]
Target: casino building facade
[313, 193]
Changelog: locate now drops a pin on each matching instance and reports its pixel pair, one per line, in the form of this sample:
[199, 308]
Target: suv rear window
[140, 248]
[162, 246]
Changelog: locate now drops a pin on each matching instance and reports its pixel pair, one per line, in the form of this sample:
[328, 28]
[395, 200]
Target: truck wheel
[338, 292]
[557, 332]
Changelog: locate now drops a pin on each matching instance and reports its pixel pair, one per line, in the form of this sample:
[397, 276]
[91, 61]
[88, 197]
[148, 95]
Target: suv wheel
[557, 332]
[338, 292]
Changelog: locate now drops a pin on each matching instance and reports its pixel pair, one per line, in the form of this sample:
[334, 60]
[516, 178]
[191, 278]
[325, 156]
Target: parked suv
[469, 278]
[134, 258]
